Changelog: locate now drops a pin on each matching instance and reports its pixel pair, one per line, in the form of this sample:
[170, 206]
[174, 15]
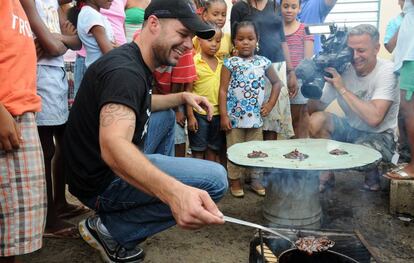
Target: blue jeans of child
[131, 215]
[79, 71]
[160, 134]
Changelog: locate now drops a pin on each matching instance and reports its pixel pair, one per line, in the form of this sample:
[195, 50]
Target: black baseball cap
[182, 10]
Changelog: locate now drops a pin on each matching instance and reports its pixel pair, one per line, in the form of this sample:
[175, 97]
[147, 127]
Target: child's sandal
[236, 188]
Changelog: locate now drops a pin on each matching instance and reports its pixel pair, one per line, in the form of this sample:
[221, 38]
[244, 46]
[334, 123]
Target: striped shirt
[296, 44]
[183, 72]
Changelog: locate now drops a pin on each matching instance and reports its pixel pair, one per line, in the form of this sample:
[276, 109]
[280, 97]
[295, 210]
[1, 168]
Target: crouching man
[137, 195]
[368, 94]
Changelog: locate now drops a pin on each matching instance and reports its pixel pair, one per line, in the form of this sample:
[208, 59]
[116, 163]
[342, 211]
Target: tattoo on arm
[113, 113]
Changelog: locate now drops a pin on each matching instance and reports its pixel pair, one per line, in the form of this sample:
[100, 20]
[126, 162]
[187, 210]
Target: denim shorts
[80, 69]
[180, 135]
[382, 142]
[52, 87]
[208, 134]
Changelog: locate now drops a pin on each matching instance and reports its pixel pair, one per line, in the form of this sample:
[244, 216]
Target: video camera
[335, 53]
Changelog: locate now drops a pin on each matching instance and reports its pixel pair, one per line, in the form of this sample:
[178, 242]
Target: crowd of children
[249, 93]
[247, 76]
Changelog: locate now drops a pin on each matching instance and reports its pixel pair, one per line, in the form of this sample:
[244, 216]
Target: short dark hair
[245, 23]
[300, 2]
[209, 3]
[74, 11]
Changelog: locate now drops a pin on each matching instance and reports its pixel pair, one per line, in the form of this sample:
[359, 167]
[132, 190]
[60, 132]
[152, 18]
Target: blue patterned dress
[245, 94]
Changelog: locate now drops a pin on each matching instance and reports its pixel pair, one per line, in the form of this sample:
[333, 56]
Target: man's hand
[180, 118]
[292, 84]
[10, 135]
[199, 103]
[336, 79]
[193, 208]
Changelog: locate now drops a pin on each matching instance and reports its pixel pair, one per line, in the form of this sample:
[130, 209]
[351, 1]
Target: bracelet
[343, 91]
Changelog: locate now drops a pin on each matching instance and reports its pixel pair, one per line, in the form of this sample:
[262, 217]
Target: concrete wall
[388, 10]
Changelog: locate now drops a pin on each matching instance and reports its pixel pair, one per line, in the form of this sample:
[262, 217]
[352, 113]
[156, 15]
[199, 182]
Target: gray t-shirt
[380, 84]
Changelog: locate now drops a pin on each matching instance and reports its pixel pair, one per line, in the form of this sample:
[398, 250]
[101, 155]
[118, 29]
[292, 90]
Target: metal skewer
[249, 224]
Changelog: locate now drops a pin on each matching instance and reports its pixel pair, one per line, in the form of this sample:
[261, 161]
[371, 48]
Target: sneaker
[110, 250]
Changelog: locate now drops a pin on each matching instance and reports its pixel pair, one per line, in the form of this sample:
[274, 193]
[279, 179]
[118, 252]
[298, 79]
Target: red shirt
[183, 72]
[296, 45]
[17, 60]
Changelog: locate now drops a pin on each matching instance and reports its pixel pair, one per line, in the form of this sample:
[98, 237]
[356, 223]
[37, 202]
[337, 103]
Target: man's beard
[161, 55]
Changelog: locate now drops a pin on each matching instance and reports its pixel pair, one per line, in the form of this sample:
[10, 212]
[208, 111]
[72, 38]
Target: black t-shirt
[121, 77]
[269, 24]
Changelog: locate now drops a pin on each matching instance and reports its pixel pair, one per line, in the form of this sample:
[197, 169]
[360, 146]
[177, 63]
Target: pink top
[296, 44]
[70, 56]
[116, 16]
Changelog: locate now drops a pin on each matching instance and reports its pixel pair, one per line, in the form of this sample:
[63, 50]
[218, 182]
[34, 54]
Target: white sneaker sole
[91, 240]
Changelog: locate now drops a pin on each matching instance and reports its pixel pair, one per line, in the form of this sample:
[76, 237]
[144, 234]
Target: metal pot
[295, 255]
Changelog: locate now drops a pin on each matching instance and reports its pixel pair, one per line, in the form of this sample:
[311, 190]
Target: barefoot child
[241, 99]
[300, 46]
[206, 139]
[52, 40]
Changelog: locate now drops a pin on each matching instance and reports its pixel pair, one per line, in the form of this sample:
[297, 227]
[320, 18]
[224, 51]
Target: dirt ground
[346, 207]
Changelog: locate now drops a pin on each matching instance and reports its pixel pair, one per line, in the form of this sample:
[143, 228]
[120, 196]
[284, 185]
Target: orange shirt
[17, 60]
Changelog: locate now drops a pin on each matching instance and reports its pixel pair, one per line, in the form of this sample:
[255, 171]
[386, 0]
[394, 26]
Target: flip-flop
[71, 232]
[398, 175]
[398, 167]
[74, 212]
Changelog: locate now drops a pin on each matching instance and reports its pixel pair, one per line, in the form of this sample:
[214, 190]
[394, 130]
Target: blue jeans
[131, 215]
[160, 134]
[79, 71]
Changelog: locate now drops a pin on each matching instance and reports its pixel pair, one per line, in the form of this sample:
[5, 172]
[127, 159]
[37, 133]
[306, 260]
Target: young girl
[216, 11]
[94, 29]
[206, 139]
[134, 16]
[300, 46]
[52, 40]
[241, 98]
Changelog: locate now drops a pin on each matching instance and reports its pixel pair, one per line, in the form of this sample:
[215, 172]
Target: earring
[234, 52]
[257, 47]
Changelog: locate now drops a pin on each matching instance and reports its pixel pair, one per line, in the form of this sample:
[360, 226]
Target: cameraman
[368, 94]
